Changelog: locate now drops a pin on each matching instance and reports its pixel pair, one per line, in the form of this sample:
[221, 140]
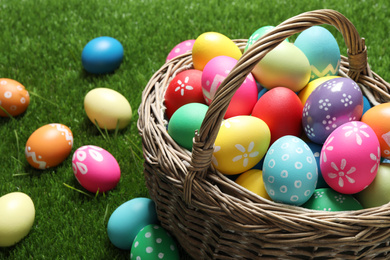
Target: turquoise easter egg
[322, 51]
[290, 171]
[128, 219]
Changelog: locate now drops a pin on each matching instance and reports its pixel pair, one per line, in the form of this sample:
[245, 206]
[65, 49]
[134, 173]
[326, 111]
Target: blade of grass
[45, 99]
[80, 191]
[100, 130]
[8, 114]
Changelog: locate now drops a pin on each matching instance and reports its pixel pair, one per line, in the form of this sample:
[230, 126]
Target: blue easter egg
[102, 55]
[316, 149]
[322, 51]
[128, 219]
[366, 104]
[290, 171]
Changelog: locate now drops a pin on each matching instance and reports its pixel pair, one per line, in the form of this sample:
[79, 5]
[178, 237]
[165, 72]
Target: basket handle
[203, 145]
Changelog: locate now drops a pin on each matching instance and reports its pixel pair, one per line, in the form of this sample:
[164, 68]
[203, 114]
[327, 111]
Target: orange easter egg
[378, 118]
[49, 146]
[14, 98]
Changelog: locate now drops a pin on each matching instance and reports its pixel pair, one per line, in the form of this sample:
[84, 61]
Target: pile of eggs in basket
[295, 131]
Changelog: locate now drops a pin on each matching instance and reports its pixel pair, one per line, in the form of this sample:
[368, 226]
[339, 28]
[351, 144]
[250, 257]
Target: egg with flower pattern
[95, 169]
[333, 103]
[241, 143]
[184, 88]
[350, 157]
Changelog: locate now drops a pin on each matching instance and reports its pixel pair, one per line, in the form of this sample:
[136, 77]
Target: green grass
[40, 46]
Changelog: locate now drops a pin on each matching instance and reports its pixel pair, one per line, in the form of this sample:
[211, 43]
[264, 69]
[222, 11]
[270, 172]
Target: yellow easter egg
[312, 85]
[284, 66]
[241, 143]
[210, 45]
[253, 180]
[17, 214]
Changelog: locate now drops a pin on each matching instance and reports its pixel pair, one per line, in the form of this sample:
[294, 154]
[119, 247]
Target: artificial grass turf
[40, 46]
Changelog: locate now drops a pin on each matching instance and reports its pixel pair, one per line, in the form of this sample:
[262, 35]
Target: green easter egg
[378, 192]
[327, 199]
[154, 242]
[185, 121]
[257, 35]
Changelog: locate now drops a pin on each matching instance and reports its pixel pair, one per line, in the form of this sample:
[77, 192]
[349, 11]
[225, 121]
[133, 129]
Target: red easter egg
[185, 88]
[281, 109]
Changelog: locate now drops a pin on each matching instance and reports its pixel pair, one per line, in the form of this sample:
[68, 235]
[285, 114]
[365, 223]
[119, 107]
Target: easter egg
[366, 104]
[253, 180]
[281, 109]
[102, 55]
[210, 45]
[95, 168]
[350, 157]
[185, 121]
[48, 146]
[107, 108]
[258, 34]
[14, 98]
[243, 100]
[378, 192]
[378, 118]
[17, 213]
[284, 66]
[312, 85]
[327, 199]
[330, 105]
[179, 49]
[290, 171]
[316, 149]
[322, 51]
[154, 242]
[128, 219]
[185, 87]
[241, 143]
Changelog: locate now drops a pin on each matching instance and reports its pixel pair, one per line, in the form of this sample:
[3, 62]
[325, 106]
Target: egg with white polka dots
[333, 103]
[181, 48]
[154, 242]
[290, 171]
[14, 98]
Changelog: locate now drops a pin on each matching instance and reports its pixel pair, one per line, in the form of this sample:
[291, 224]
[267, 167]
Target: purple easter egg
[333, 103]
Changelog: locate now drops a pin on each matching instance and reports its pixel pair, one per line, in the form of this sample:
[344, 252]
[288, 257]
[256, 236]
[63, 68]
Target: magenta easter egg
[95, 168]
[244, 99]
[179, 49]
[185, 88]
[333, 103]
[350, 157]
[281, 109]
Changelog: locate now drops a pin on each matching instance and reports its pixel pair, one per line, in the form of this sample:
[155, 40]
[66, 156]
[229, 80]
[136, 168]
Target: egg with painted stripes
[48, 146]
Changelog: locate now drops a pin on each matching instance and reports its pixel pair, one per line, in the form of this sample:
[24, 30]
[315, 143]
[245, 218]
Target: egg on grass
[102, 55]
[128, 219]
[107, 108]
[17, 214]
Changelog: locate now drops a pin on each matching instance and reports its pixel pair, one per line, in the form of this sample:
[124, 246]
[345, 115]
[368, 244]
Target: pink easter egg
[243, 100]
[179, 49]
[95, 168]
[350, 157]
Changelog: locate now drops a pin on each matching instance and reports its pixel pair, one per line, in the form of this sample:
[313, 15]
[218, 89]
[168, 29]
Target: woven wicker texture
[214, 218]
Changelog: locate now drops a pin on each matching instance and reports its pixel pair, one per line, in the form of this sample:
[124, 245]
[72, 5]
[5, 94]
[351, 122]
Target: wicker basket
[214, 218]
